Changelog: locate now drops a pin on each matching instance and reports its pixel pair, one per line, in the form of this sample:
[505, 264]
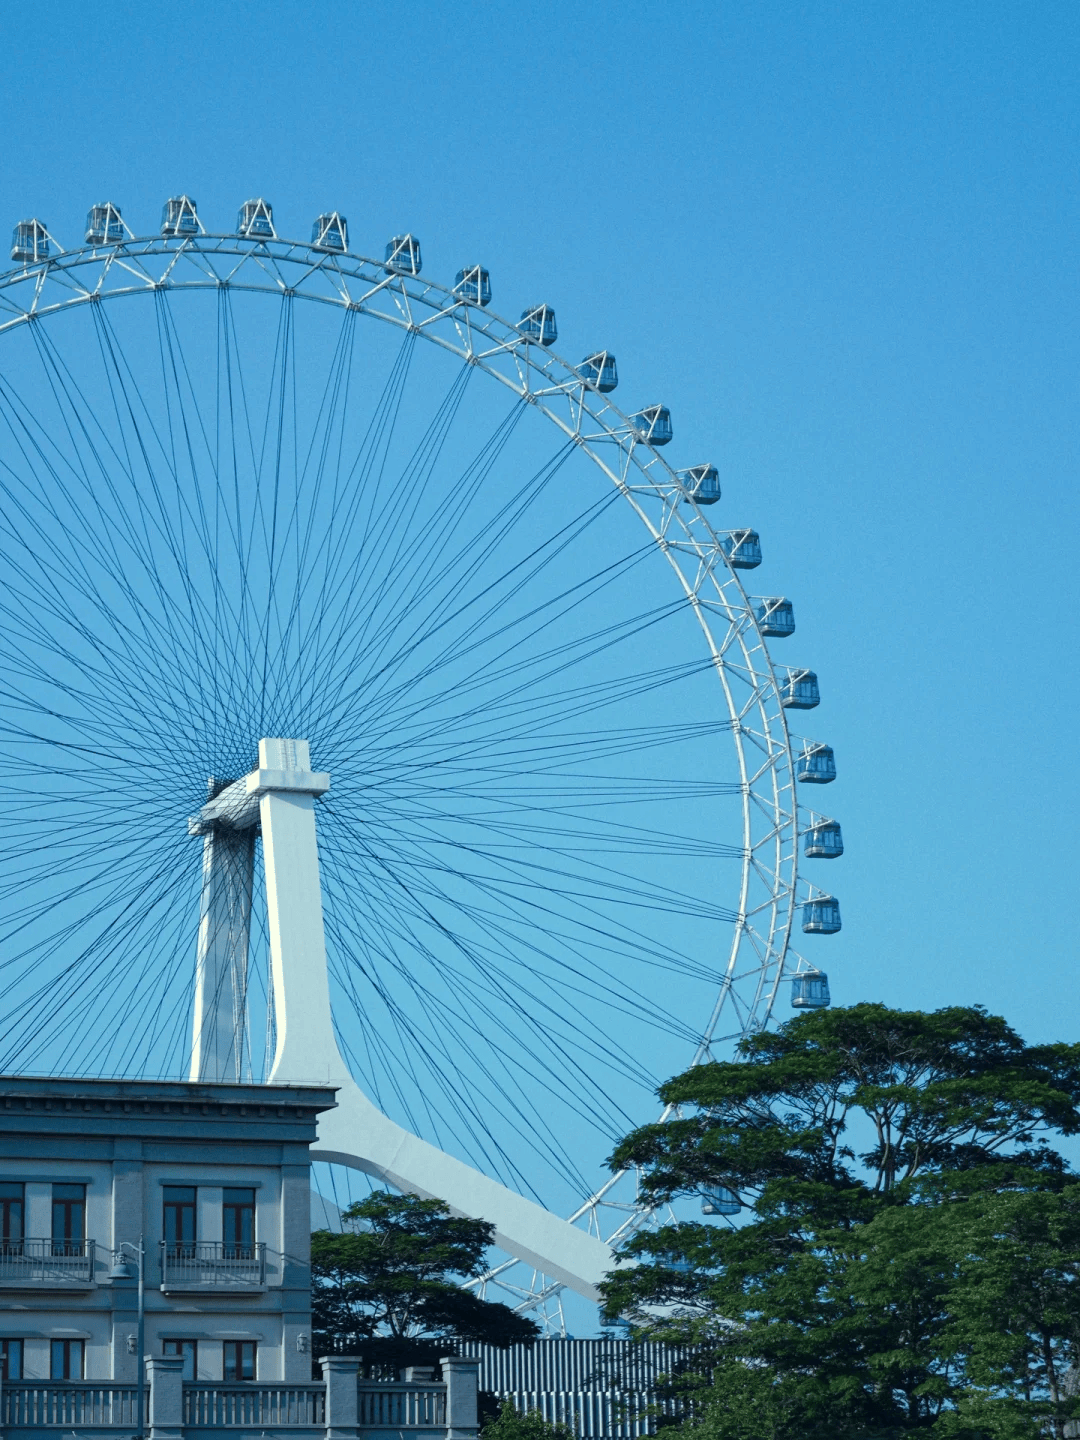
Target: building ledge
[47, 1282]
[212, 1287]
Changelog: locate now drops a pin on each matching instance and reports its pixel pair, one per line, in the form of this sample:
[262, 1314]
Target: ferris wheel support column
[280, 795]
[217, 1042]
[305, 1032]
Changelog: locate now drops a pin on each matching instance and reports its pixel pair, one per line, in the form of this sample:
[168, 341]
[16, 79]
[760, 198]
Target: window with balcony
[235, 1262]
[179, 1221]
[188, 1350]
[63, 1259]
[68, 1220]
[238, 1223]
[67, 1360]
[239, 1360]
[11, 1360]
[12, 1210]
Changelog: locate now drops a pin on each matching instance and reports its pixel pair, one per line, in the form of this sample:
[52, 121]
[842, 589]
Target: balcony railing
[69, 1403]
[224, 1406]
[48, 1264]
[212, 1265]
[386, 1410]
[383, 1406]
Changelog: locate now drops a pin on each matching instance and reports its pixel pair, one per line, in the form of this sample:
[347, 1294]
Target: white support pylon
[220, 1022]
[280, 795]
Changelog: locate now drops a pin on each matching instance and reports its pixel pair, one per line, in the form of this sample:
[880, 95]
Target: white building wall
[261, 1145]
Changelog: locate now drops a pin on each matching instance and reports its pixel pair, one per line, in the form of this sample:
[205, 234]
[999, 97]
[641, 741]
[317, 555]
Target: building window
[179, 1221]
[188, 1349]
[239, 1359]
[67, 1360]
[238, 1223]
[10, 1360]
[68, 1220]
[11, 1218]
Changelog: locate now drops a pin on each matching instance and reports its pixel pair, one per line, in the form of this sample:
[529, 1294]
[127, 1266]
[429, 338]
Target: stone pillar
[462, 1384]
[165, 1376]
[128, 1221]
[340, 1374]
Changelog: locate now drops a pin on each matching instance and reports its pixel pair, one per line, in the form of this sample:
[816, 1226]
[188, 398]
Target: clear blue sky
[840, 241]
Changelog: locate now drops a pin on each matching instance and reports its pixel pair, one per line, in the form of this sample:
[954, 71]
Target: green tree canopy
[390, 1290]
[909, 1261]
[513, 1424]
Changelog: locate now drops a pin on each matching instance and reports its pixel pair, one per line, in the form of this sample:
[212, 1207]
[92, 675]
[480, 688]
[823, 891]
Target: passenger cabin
[255, 220]
[179, 217]
[810, 990]
[815, 764]
[653, 425]
[823, 841]
[402, 255]
[775, 617]
[821, 916]
[473, 283]
[29, 242]
[538, 325]
[701, 484]
[798, 689]
[330, 232]
[103, 225]
[719, 1200]
[742, 548]
[600, 372]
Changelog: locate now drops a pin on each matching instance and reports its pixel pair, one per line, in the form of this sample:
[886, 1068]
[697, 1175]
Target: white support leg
[218, 1031]
[361, 1136]
[305, 1032]
[281, 794]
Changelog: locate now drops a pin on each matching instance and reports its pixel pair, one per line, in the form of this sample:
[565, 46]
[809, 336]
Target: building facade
[211, 1182]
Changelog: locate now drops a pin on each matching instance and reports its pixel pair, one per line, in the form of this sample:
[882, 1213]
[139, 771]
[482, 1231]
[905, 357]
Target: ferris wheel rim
[715, 589]
[507, 337]
[508, 340]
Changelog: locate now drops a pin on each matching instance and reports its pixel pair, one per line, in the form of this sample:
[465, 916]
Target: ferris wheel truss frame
[760, 955]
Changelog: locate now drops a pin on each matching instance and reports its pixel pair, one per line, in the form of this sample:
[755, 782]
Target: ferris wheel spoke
[365, 585]
[64, 571]
[460, 1116]
[413, 1043]
[434, 1037]
[497, 592]
[634, 939]
[407, 897]
[133, 446]
[515, 940]
[512, 932]
[537, 671]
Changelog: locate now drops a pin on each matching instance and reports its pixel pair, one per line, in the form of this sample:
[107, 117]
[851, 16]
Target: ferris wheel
[258, 488]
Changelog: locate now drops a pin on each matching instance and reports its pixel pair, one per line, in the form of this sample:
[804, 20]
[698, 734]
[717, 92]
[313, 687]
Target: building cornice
[125, 1106]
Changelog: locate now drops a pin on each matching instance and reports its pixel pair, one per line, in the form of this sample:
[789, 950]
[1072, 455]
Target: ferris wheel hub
[236, 806]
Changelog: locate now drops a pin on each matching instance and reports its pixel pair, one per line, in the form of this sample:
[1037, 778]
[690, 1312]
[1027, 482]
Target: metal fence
[603, 1389]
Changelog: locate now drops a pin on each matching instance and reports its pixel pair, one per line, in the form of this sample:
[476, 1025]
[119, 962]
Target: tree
[513, 1424]
[391, 1290]
[911, 1255]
